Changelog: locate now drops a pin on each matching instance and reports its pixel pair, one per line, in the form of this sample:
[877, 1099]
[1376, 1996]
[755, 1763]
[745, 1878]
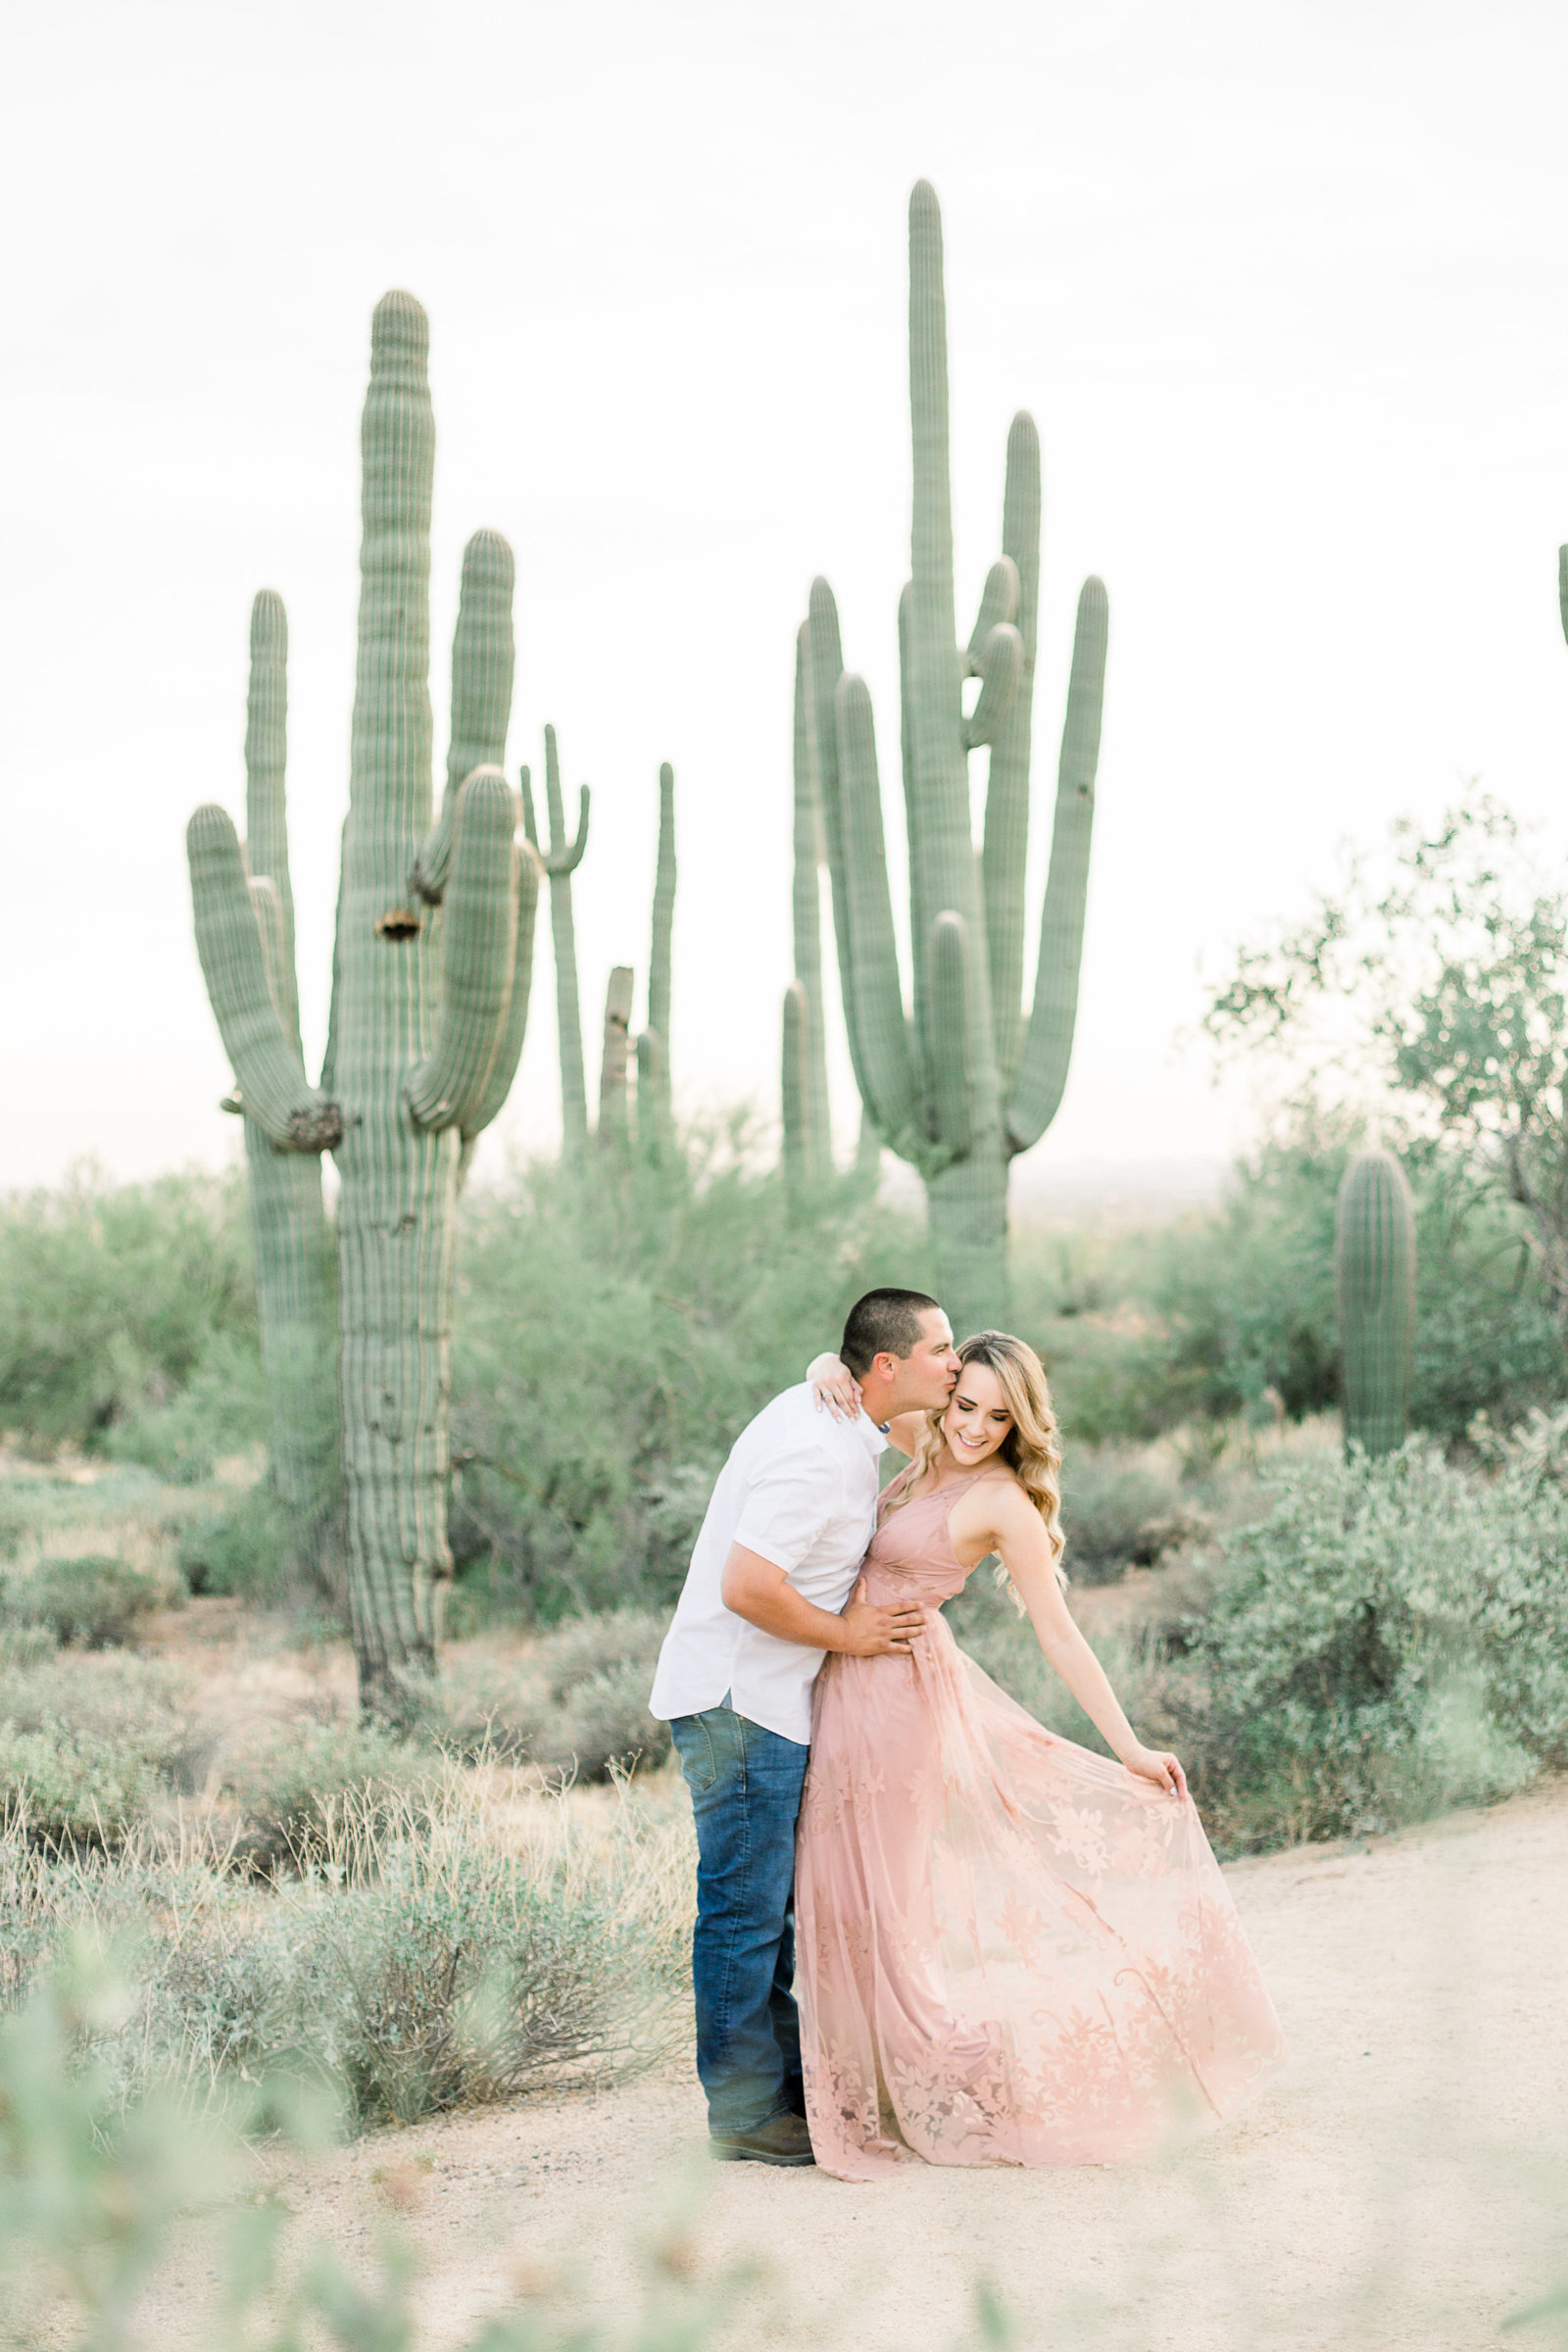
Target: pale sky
[1282, 281]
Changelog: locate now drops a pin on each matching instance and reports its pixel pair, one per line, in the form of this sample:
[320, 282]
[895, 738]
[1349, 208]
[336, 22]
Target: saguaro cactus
[430, 1003]
[290, 1246]
[613, 1131]
[1374, 1249]
[808, 1112]
[966, 1084]
[654, 1092]
[561, 861]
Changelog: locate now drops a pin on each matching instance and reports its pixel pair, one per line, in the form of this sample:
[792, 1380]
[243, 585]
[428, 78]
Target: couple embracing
[1004, 1949]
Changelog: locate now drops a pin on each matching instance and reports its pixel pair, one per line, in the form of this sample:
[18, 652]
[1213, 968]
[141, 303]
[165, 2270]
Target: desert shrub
[604, 1722]
[221, 1410]
[69, 1788]
[1121, 1513]
[457, 1982]
[243, 1549]
[575, 1703]
[94, 1602]
[1392, 1637]
[86, 1745]
[295, 1788]
[112, 1295]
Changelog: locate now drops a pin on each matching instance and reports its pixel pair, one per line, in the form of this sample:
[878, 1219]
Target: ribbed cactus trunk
[1374, 1245]
[429, 1005]
[614, 1064]
[963, 1086]
[806, 1108]
[290, 1244]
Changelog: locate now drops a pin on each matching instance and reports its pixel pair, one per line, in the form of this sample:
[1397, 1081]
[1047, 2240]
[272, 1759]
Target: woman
[1010, 1951]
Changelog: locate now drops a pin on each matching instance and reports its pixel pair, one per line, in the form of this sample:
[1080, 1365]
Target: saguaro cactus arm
[999, 669]
[294, 1115]
[1006, 837]
[478, 947]
[949, 987]
[266, 770]
[874, 991]
[268, 911]
[509, 1051]
[1048, 1047]
[805, 905]
[483, 658]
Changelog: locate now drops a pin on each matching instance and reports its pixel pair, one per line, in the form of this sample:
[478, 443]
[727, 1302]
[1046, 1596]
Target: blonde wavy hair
[1031, 1448]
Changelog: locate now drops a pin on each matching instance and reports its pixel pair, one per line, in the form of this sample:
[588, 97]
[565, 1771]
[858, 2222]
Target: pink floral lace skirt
[1010, 1951]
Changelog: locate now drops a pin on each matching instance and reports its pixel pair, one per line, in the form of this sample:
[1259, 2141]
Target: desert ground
[1403, 2185]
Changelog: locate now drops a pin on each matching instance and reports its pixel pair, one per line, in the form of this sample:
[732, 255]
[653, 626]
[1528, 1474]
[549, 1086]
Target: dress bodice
[912, 1544]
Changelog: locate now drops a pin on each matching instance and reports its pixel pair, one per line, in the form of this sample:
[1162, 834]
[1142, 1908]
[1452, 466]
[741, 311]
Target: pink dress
[1008, 1950]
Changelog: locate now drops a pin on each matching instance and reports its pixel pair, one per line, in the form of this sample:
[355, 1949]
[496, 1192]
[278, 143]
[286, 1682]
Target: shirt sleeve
[790, 1503]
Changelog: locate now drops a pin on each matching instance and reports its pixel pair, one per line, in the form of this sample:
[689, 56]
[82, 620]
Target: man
[788, 1526]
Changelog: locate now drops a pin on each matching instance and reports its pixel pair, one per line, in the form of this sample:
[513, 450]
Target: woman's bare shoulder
[1000, 1493]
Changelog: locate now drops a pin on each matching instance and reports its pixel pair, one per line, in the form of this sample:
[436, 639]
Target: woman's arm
[1018, 1534]
[838, 1388]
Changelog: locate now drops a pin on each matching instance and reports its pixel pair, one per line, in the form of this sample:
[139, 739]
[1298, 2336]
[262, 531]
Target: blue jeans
[746, 1793]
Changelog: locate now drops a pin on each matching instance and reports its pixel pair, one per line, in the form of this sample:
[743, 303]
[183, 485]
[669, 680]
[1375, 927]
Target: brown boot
[782, 2140]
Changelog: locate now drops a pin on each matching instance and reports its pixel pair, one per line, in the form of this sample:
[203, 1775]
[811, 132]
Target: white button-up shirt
[799, 1488]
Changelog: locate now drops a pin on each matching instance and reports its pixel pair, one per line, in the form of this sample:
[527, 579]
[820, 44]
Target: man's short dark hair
[883, 1323]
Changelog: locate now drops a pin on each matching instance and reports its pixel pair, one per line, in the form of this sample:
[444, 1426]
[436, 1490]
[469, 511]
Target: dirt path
[1402, 2186]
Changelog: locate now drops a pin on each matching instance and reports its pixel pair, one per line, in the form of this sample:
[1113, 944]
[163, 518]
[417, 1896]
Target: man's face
[924, 1378]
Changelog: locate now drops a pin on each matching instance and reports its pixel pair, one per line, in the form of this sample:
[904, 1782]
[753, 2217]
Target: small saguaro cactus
[561, 861]
[430, 1003]
[1374, 1255]
[654, 1091]
[965, 1085]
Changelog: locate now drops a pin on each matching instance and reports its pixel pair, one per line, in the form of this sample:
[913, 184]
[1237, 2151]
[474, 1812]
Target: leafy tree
[1443, 980]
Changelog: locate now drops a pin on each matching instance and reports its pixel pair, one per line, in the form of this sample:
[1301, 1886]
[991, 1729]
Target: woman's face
[977, 1421]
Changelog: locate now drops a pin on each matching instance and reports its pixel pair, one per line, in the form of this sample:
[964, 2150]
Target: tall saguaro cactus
[1374, 1252]
[561, 861]
[429, 1005]
[965, 1084]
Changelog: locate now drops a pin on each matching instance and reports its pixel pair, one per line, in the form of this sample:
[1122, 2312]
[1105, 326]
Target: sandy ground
[1405, 2185]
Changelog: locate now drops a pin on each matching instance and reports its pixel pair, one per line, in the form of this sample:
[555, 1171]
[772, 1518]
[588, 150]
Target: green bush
[86, 1745]
[1119, 1513]
[94, 1602]
[577, 1703]
[243, 1549]
[112, 1295]
[220, 1411]
[462, 1984]
[297, 1788]
[1392, 1637]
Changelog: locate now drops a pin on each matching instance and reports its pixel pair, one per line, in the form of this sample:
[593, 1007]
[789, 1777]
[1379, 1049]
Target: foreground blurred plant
[91, 2194]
